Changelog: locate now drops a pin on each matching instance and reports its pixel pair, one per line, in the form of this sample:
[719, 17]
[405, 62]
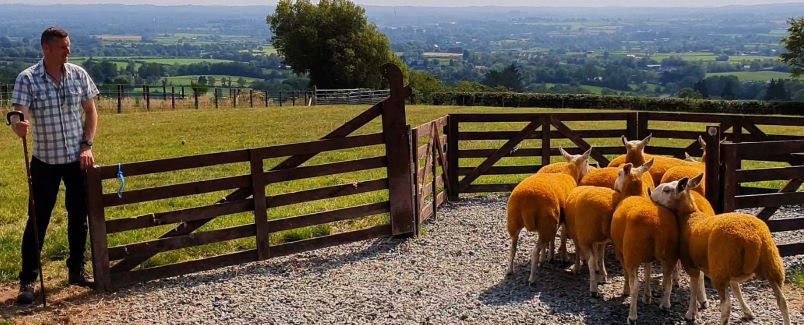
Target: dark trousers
[46, 179]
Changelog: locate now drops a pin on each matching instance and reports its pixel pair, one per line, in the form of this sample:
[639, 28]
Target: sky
[441, 3]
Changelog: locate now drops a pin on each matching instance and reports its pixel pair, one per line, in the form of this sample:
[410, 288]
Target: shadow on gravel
[565, 293]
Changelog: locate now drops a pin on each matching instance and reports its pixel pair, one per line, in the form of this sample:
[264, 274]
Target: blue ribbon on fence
[121, 179]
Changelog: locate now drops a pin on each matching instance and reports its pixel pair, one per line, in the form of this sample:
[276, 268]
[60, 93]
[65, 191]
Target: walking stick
[32, 203]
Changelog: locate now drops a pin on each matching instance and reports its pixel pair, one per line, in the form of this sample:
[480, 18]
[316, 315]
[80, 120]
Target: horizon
[424, 3]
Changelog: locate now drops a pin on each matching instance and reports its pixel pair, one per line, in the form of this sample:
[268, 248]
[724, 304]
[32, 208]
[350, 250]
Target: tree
[509, 78]
[689, 93]
[332, 42]
[794, 43]
[701, 88]
[776, 91]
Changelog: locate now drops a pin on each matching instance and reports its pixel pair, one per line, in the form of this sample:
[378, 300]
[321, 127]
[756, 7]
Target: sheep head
[676, 195]
[629, 178]
[578, 164]
[635, 150]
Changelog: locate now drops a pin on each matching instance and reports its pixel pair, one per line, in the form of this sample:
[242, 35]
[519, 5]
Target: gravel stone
[453, 274]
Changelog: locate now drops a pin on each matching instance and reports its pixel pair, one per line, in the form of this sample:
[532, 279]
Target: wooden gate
[431, 181]
[249, 196]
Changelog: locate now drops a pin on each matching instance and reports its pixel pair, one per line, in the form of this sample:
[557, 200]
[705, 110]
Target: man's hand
[21, 128]
[86, 158]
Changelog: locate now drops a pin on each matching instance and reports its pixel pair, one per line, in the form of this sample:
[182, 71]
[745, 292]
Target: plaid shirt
[55, 110]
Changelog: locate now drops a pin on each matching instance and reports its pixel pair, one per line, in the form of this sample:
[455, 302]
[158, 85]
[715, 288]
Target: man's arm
[86, 158]
[20, 127]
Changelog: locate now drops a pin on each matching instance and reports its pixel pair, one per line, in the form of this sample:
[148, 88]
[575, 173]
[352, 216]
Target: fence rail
[354, 96]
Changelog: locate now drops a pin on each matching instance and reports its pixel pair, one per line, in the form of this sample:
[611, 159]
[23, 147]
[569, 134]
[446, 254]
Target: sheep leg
[702, 301]
[590, 253]
[695, 277]
[738, 292]
[781, 301]
[601, 266]
[633, 283]
[667, 284]
[514, 242]
[647, 294]
[563, 248]
[551, 247]
[576, 266]
[677, 274]
[534, 260]
[725, 303]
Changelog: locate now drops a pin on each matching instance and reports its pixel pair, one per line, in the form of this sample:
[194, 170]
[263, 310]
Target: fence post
[642, 126]
[182, 93]
[315, 95]
[97, 230]
[164, 92]
[147, 91]
[452, 157]
[280, 98]
[119, 98]
[545, 140]
[260, 208]
[398, 151]
[293, 100]
[436, 176]
[729, 176]
[216, 89]
[266, 98]
[713, 185]
[631, 126]
[173, 97]
[251, 98]
[195, 97]
[417, 186]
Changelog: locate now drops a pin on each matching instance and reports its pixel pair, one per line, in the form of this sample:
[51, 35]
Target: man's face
[57, 49]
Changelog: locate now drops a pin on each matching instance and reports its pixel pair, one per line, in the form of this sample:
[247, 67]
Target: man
[52, 95]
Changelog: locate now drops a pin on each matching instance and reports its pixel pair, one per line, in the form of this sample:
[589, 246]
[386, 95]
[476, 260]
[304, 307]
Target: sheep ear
[650, 192]
[645, 167]
[625, 140]
[627, 168]
[586, 154]
[687, 156]
[564, 153]
[696, 181]
[682, 184]
[645, 141]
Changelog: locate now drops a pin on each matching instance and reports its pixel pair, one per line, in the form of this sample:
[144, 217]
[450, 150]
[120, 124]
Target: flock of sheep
[671, 222]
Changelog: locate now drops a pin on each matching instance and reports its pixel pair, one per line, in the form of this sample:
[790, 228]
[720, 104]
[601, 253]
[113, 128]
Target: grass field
[122, 61]
[185, 80]
[753, 75]
[136, 137]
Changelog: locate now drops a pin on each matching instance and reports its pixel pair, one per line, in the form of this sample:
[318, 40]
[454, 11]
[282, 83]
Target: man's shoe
[26, 295]
[79, 277]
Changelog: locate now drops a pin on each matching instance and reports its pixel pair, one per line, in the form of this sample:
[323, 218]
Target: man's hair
[52, 34]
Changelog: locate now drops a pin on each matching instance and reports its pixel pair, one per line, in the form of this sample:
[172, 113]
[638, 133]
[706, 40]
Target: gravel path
[454, 273]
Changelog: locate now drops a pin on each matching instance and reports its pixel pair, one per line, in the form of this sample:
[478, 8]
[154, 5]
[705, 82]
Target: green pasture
[142, 136]
[753, 75]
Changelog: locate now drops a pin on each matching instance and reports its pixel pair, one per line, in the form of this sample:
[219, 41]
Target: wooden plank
[209, 263]
[505, 135]
[316, 147]
[528, 117]
[776, 120]
[503, 170]
[260, 211]
[729, 156]
[174, 164]
[756, 150]
[331, 240]
[176, 190]
[745, 190]
[183, 215]
[426, 212]
[149, 248]
[669, 151]
[442, 159]
[505, 149]
[766, 174]
[536, 152]
[326, 192]
[414, 143]
[580, 142]
[546, 136]
[486, 188]
[318, 218]
[785, 224]
[297, 173]
[768, 200]
[97, 230]
[791, 249]
[712, 179]
[452, 156]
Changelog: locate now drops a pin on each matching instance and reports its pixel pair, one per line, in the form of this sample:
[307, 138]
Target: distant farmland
[753, 75]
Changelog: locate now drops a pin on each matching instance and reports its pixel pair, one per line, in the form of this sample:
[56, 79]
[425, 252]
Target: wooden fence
[737, 197]
[423, 168]
[431, 177]
[249, 195]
